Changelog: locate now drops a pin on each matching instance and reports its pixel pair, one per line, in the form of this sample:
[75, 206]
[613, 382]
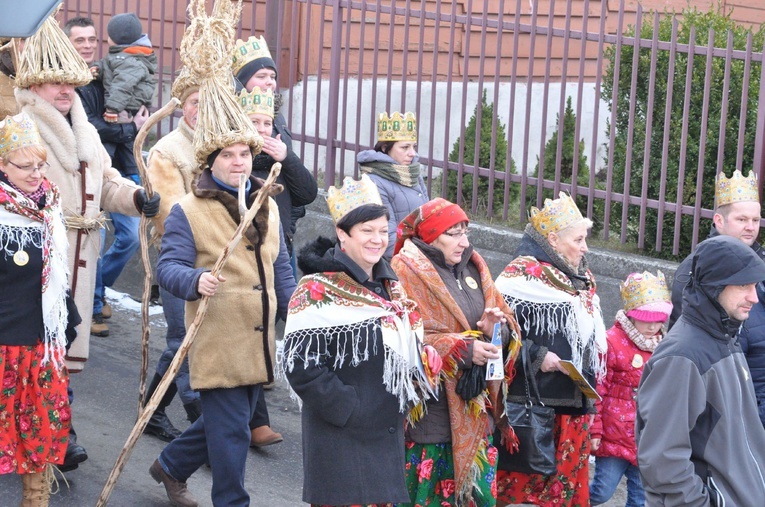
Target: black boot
[193, 410]
[159, 425]
[75, 453]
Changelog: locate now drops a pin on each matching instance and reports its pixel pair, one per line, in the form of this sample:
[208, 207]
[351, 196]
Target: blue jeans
[111, 264]
[222, 437]
[175, 309]
[608, 473]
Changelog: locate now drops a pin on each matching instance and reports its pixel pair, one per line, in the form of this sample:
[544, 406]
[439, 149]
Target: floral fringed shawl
[332, 307]
[444, 324]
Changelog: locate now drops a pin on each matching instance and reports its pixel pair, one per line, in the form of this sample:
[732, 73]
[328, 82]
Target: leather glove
[472, 382]
[149, 207]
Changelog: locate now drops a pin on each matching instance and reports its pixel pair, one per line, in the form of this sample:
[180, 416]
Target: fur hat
[205, 50]
[49, 57]
[124, 29]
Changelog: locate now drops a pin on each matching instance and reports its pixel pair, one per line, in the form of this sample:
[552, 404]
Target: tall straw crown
[18, 132]
[249, 50]
[353, 194]
[257, 101]
[397, 127]
[184, 85]
[49, 57]
[642, 289]
[205, 50]
[737, 188]
[555, 215]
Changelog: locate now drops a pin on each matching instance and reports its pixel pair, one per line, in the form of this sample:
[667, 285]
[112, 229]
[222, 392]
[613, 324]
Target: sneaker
[106, 310]
[98, 327]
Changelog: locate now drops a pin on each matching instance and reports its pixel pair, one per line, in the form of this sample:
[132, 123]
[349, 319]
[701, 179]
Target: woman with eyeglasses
[37, 315]
[552, 291]
[451, 458]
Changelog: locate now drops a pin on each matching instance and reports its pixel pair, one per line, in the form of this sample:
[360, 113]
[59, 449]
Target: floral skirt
[430, 475]
[570, 486]
[34, 410]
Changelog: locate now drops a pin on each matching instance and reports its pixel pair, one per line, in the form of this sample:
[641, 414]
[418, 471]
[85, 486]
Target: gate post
[334, 92]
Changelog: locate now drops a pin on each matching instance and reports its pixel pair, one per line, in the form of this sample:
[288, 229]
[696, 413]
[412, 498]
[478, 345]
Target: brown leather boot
[98, 327]
[36, 489]
[263, 436]
[177, 491]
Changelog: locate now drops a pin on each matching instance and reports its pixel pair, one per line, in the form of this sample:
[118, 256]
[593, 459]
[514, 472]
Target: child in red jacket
[637, 331]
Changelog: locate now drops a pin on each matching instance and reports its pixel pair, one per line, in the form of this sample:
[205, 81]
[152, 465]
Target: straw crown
[737, 188]
[353, 194]
[18, 132]
[641, 289]
[397, 127]
[249, 50]
[555, 215]
[49, 57]
[257, 101]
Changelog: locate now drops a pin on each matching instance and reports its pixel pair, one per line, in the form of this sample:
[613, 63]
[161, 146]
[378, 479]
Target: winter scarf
[635, 336]
[20, 223]
[377, 162]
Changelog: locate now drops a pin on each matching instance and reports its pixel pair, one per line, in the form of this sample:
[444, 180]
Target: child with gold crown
[638, 329]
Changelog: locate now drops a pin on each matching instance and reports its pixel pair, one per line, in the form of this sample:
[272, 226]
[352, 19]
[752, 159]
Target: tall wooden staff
[188, 340]
[155, 118]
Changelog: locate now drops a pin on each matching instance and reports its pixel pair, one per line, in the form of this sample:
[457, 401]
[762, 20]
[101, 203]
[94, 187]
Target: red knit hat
[429, 221]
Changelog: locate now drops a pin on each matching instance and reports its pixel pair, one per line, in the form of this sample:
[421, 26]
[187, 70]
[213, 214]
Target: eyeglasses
[459, 234]
[30, 169]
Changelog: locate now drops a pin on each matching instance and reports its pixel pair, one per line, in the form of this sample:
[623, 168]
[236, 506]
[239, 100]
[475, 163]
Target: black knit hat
[124, 29]
[249, 70]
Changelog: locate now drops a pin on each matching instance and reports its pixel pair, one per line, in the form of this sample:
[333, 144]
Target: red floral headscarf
[429, 221]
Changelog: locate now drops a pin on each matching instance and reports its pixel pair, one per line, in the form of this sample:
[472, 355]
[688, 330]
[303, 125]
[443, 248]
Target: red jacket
[615, 421]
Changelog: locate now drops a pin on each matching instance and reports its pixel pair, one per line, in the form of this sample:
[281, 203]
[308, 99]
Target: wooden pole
[155, 118]
[188, 340]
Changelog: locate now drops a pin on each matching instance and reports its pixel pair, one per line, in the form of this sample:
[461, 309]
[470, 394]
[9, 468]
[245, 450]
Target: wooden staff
[152, 120]
[188, 340]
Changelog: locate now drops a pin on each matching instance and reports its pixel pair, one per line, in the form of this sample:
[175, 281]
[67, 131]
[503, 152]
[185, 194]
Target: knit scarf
[406, 175]
[331, 308]
[640, 341]
[23, 224]
[548, 300]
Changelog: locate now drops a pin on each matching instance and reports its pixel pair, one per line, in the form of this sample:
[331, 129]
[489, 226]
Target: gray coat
[399, 199]
[130, 78]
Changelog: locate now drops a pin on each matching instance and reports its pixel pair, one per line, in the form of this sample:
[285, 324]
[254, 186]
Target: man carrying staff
[234, 351]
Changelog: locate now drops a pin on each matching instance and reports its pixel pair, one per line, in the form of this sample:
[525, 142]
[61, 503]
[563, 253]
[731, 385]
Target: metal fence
[342, 62]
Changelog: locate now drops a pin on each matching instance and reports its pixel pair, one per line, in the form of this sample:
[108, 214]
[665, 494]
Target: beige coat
[171, 170]
[8, 106]
[102, 188]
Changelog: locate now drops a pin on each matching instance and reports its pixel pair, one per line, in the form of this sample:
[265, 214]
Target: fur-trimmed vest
[236, 343]
[171, 169]
[102, 187]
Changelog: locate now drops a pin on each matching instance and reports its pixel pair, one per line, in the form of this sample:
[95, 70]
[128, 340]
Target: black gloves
[149, 207]
[472, 382]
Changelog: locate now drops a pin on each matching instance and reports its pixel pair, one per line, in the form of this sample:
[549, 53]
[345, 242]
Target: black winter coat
[752, 341]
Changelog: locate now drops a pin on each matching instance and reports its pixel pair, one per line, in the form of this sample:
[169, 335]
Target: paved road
[105, 410]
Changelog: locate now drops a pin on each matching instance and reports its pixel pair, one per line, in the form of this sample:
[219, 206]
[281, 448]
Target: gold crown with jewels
[18, 132]
[397, 127]
[644, 288]
[737, 188]
[353, 194]
[555, 215]
[249, 50]
[257, 101]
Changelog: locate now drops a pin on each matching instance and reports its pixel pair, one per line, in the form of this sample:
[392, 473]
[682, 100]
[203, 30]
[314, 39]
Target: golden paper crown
[397, 127]
[737, 188]
[49, 57]
[643, 289]
[555, 215]
[249, 50]
[353, 194]
[17, 132]
[257, 101]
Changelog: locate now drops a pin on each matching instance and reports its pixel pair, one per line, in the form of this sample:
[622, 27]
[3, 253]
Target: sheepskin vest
[236, 342]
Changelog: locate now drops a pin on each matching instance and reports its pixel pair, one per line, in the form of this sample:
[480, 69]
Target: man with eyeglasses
[46, 77]
[117, 138]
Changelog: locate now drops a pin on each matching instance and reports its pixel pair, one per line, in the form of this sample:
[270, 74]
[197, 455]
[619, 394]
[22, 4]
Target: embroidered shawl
[444, 322]
[23, 224]
[547, 299]
[332, 307]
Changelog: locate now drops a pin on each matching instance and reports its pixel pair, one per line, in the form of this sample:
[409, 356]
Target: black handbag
[534, 425]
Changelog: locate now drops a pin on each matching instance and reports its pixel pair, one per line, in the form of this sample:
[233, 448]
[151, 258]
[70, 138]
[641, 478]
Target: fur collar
[318, 257]
[70, 144]
[204, 187]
